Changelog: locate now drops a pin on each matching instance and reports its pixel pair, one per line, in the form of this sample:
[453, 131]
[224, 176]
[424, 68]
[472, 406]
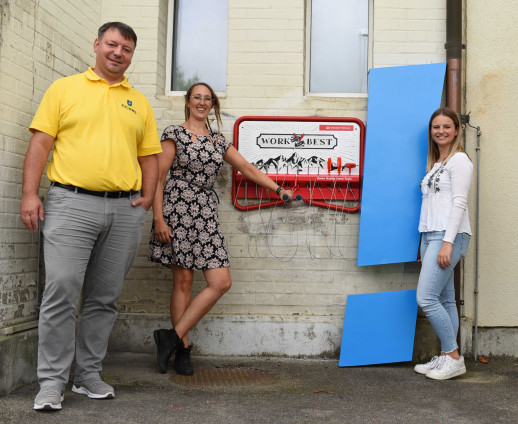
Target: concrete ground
[272, 390]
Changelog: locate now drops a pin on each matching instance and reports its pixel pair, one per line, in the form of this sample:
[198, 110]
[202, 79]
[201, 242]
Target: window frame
[307, 65]
[171, 6]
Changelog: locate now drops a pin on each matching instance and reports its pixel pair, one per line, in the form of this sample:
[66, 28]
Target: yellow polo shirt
[99, 131]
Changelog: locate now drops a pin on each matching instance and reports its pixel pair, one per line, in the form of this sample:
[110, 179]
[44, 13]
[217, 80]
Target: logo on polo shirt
[129, 104]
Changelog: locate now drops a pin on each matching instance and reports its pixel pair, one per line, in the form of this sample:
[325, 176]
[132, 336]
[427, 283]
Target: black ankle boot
[182, 361]
[167, 343]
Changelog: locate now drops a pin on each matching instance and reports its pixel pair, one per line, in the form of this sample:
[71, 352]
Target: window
[338, 43]
[199, 43]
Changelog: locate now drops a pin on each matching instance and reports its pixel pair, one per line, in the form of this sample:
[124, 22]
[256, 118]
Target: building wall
[492, 99]
[289, 286]
[278, 304]
[39, 42]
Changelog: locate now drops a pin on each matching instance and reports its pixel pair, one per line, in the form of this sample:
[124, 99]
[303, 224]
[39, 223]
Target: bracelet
[278, 190]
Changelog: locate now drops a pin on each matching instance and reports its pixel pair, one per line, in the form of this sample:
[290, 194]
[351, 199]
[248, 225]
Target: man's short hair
[126, 31]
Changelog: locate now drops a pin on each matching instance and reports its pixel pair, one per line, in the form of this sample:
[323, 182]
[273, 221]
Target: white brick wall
[265, 76]
[40, 42]
[409, 32]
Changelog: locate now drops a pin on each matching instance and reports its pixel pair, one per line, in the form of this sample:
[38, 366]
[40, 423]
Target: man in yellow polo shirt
[104, 174]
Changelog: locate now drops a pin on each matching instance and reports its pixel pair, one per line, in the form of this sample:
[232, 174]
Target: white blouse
[445, 197]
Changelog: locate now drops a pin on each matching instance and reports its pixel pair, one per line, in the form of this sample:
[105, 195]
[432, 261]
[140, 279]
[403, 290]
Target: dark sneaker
[167, 343]
[49, 398]
[94, 388]
[182, 361]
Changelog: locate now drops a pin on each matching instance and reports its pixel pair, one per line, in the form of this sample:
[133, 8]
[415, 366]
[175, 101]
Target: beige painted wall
[492, 98]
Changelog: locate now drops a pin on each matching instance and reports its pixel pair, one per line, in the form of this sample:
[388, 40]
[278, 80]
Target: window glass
[339, 46]
[200, 44]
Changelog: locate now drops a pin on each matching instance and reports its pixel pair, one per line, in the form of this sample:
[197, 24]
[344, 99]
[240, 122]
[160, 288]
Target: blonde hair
[455, 147]
[215, 105]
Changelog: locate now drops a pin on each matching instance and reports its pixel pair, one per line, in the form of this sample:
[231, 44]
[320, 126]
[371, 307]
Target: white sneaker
[448, 368]
[434, 362]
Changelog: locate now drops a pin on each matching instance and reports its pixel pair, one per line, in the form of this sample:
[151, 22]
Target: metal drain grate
[206, 377]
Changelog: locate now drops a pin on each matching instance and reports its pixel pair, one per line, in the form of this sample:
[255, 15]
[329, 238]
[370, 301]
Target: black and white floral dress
[190, 210]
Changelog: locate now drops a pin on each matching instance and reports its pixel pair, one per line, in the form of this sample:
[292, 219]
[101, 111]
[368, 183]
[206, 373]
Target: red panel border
[319, 203]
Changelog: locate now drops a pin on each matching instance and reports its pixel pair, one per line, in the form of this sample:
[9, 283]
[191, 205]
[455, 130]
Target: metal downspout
[475, 335]
[453, 48]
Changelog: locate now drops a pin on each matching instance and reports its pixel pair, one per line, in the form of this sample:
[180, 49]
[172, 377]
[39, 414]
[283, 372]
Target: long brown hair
[215, 105]
[433, 149]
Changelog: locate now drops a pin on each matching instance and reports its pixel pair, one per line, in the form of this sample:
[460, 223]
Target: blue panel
[379, 328]
[401, 101]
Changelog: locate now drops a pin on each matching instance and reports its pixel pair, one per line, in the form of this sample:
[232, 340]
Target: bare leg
[180, 296]
[218, 283]
[454, 354]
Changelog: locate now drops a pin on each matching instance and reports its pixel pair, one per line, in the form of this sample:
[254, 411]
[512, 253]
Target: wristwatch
[278, 190]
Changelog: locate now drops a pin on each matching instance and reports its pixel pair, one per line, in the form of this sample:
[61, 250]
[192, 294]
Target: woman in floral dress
[186, 235]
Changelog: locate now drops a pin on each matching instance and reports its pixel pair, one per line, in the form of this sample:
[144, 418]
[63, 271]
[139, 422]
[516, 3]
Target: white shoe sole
[447, 376]
[421, 371]
[83, 391]
[47, 406]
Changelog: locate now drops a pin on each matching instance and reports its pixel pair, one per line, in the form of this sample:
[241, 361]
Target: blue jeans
[435, 290]
[89, 244]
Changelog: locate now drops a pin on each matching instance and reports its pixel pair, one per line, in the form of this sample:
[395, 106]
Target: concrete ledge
[492, 341]
[426, 342]
[237, 335]
[18, 327]
[498, 341]
[466, 337]
[18, 359]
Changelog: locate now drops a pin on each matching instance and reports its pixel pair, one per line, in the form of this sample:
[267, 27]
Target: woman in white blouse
[445, 233]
